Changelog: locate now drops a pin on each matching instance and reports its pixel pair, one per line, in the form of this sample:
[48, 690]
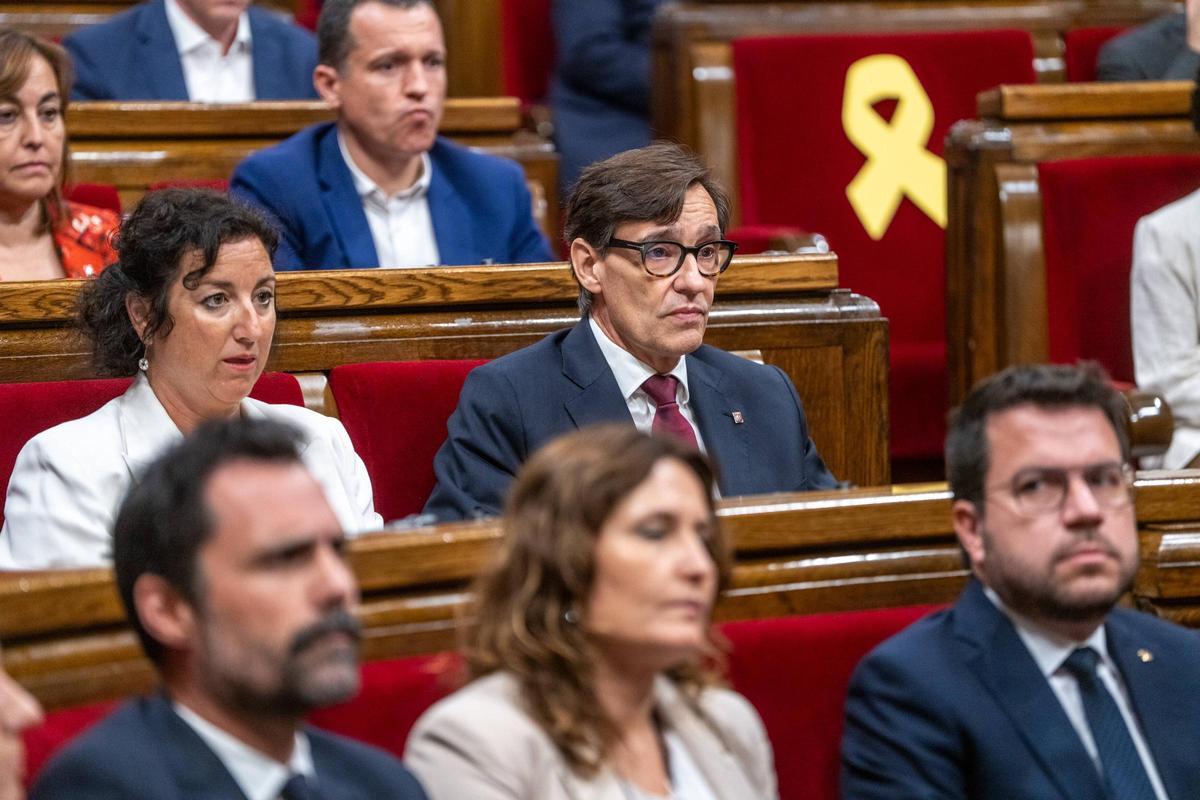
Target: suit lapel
[712, 755]
[452, 224]
[1003, 663]
[343, 206]
[1161, 701]
[269, 79]
[146, 428]
[196, 769]
[159, 57]
[724, 440]
[599, 399]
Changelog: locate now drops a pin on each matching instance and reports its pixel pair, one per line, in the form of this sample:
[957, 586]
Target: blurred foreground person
[18, 711]
[593, 632]
[1034, 685]
[232, 569]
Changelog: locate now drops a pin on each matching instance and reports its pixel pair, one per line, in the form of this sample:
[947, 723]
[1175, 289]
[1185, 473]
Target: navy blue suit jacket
[956, 707]
[1154, 51]
[600, 91]
[480, 206]
[145, 750]
[512, 406]
[133, 57]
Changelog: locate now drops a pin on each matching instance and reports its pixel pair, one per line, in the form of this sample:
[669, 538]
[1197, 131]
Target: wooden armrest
[1151, 422]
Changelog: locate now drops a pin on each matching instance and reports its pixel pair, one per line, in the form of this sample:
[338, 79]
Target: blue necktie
[1119, 761]
[298, 788]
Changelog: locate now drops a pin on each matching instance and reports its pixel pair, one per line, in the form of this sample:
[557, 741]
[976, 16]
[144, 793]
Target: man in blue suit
[1033, 686]
[645, 228]
[380, 188]
[202, 50]
[232, 569]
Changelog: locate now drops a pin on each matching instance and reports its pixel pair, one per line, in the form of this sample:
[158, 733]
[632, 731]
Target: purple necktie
[667, 417]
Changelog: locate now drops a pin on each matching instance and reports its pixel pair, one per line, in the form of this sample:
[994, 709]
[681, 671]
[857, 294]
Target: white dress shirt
[259, 776]
[1050, 652]
[632, 373]
[211, 75]
[401, 226]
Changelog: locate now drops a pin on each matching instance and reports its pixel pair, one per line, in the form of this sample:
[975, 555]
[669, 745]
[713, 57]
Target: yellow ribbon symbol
[898, 163]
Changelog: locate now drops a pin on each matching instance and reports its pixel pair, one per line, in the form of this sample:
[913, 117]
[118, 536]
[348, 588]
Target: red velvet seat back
[527, 48]
[795, 671]
[1089, 209]
[98, 195]
[1081, 46]
[396, 413]
[797, 161]
[30, 408]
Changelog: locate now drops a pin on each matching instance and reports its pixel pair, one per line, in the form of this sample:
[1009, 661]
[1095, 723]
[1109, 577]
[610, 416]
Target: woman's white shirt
[68, 482]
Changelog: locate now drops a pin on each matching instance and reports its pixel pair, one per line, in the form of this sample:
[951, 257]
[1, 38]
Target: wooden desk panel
[794, 554]
[832, 342]
[995, 291]
[132, 145]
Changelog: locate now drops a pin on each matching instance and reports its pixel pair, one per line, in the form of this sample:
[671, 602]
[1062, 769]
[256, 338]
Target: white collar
[1048, 650]
[629, 371]
[259, 776]
[369, 190]
[189, 36]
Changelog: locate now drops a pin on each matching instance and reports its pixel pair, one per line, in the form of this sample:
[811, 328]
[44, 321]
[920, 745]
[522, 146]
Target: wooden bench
[996, 295]
[693, 92]
[832, 342]
[135, 145]
[66, 639]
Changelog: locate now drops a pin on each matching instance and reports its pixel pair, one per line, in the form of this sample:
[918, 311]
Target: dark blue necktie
[298, 788]
[1122, 767]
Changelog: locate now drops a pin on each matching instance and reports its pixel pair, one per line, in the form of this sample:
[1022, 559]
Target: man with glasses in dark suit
[645, 229]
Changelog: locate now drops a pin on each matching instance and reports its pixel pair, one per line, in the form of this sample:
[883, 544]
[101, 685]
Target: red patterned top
[84, 240]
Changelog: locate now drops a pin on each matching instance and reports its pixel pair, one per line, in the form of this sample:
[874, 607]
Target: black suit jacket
[145, 750]
[1155, 51]
[512, 406]
[956, 707]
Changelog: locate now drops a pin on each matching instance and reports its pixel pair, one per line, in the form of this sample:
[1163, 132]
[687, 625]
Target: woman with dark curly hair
[590, 637]
[42, 235]
[189, 310]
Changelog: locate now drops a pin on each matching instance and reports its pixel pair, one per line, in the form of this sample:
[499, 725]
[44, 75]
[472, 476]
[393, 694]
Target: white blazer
[479, 743]
[1164, 299]
[68, 482]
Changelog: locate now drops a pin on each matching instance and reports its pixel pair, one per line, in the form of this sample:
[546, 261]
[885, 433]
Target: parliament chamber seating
[829, 138]
[1045, 187]
[818, 579]
[100, 195]
[396, 413]
[1081, 47]
[527, 49]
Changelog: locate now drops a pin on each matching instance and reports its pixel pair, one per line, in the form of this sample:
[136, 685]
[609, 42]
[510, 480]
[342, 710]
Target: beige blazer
[479, 743]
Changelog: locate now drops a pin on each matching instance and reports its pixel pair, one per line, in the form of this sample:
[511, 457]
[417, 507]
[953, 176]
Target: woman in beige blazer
[591, 652]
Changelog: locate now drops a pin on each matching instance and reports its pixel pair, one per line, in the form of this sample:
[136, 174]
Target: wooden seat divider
[66, 639]
[133, 145]
[995, 269]
[831, 341]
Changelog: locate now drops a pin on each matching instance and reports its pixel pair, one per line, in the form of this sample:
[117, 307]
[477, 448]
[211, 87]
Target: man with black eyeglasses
[1034, 685]
[645, 229]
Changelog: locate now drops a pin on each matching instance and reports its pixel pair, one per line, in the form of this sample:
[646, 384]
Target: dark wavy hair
[166, 227]
[17, 52]
[545, 568]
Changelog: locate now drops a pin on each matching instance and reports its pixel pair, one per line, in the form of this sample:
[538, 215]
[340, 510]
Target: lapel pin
[1145, 656]
[738, 419]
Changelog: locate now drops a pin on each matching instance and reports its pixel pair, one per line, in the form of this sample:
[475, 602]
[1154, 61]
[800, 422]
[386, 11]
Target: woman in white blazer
[189, 310]
[590, 646]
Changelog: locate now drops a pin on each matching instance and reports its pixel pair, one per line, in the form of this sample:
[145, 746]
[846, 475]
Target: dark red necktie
[667, 416]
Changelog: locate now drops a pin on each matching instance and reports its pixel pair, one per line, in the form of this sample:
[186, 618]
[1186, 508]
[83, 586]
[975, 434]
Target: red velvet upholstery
[308, 13]
[796, 162]
[396, 413]
[527, 45]
[1089, 209]
[30, 408]
[795, 671]
[99, 195]
[1081, 47]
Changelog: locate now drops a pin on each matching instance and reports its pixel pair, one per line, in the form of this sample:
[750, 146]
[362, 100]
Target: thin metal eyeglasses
[663, 258]
[1043, 490]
